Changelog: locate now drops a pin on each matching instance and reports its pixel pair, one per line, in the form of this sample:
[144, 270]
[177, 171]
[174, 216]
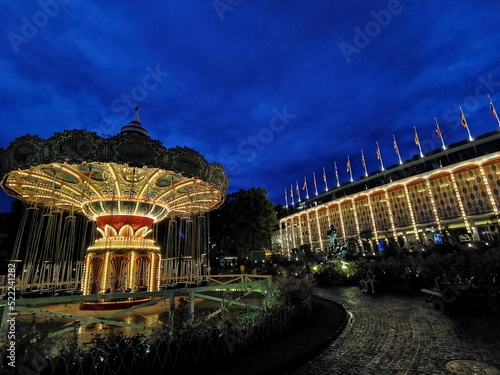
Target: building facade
[455, 191]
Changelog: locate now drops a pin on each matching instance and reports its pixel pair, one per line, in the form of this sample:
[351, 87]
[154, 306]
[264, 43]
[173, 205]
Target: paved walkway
[402, 334]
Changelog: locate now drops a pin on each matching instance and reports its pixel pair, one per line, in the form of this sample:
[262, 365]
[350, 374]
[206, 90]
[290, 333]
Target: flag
[291, 191]
[396, 150]
[336, 172]
[415, 136]
[348, 164]
[305, 184]
[462, 116]
[464, 124]
[417, 142]
[438, 131]
[297, 188]
[314, 179]
[492, 108]
[324, 179]
[440, 135]
[363, 159]
[379, 157]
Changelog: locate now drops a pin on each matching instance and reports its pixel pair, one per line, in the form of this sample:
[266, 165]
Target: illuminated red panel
[118, 221]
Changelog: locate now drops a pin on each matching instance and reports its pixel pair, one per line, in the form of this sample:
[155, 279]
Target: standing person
[370, 280]
[363, 280]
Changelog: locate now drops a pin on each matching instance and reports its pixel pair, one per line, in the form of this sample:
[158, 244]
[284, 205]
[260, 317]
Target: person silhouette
[370, 280]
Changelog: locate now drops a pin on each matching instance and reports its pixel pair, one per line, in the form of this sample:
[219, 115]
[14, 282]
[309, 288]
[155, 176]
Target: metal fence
[166, 354]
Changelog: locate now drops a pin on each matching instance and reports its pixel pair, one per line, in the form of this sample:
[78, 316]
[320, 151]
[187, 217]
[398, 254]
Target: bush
[475, 269]
[337, 272]
[288, 291]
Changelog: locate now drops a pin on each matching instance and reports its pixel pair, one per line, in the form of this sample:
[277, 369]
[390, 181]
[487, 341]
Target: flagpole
[315, 184]
[286, 198]
[364, 162]
[396, 149]
[379, 156]
[297, 190]
[493, 111]
[324, 179]
[440, 135]
[305, 187]
[336, 174]
[291, 194]
[465, 125]
[349, 167]
[417, 141]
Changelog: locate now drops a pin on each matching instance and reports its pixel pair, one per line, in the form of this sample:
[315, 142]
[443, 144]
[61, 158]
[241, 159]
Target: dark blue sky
[272, 90]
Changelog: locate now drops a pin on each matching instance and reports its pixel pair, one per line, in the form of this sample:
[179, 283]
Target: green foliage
[337, 271]
[485, 271]
[102, 345]
[474, 269]
[477, 270]
[34, 343]
[287, 291]
[244, 222]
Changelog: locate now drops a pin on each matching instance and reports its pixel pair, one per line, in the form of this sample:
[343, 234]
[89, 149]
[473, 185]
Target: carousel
[93, 206]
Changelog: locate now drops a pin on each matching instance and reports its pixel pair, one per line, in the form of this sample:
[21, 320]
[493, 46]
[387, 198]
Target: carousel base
[112, 304]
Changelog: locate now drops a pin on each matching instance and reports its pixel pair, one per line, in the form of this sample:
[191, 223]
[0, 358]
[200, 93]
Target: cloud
[224, 77]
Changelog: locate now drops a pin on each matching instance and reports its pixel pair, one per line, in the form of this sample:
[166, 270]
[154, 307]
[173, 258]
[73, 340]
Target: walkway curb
[309, 354]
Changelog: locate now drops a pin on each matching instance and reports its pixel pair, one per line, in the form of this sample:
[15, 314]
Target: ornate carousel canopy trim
[118, 243]
[118, 221]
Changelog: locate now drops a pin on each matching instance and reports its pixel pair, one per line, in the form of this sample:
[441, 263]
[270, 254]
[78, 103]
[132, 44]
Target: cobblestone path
[402, 334]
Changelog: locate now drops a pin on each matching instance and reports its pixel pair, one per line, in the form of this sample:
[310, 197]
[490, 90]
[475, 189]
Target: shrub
[336, 271]
[474, 269]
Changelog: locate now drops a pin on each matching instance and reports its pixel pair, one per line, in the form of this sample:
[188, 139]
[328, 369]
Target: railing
[193, 351]
[476, 208]
[448, 213]
[247, 284]
[402, 221]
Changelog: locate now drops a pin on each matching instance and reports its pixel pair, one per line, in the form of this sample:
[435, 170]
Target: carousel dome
[135, 125]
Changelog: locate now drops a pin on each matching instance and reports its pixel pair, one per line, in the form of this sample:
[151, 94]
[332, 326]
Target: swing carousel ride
[93, 205]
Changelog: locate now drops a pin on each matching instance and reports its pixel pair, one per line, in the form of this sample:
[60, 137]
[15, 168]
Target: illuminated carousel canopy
[127, 174]
[124, 184]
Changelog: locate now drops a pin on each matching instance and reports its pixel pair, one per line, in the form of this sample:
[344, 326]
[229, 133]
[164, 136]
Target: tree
[244, 222]
[9, 224]
[284, 211]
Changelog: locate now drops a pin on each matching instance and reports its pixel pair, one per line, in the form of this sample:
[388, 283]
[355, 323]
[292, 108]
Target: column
[488, 190]
[410, 210]
[460, 203]
[433, 204]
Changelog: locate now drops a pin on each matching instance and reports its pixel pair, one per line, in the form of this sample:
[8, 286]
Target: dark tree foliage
[9, 225]
[283, 211]
[243, 223]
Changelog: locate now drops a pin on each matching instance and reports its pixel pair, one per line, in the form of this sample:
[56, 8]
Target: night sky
[273, 90]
